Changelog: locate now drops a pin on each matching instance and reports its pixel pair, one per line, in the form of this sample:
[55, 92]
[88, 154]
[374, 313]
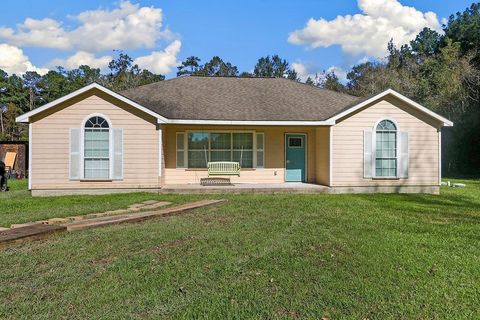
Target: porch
[272, 158]
[288, 187]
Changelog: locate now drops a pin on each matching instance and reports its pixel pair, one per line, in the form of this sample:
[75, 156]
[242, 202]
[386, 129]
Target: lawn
[257, 256]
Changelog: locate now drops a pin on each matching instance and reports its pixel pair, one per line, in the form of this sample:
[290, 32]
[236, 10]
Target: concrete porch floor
[290, 187]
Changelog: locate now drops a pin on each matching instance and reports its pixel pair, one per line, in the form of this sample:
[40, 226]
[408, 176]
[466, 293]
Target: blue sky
[159, 34]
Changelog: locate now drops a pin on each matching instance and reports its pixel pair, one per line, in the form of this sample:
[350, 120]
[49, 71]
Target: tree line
[440, 71]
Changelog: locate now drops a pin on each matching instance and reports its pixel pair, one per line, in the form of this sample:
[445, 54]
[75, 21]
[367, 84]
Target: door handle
[288, 161]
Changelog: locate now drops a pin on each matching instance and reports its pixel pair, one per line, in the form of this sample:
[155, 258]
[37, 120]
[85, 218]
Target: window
[96, 149]
[203, 147]
[386, 149]
[295, 142]
[243, 149]
[198, 149]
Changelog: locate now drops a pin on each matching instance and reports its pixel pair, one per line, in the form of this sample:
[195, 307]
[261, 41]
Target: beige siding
[50, 150]
[274, 155]
[322, 156]
[348, 145]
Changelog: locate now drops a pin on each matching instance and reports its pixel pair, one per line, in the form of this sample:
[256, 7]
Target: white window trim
[254, 150]
[110, 147]
[374, 150]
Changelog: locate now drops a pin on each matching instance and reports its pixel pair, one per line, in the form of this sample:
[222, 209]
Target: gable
[388, 107]
[79, 95]
[92, 101]
[397, 100]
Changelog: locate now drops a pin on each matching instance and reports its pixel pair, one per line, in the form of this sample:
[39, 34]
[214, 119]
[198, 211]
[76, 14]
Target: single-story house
[278, 130]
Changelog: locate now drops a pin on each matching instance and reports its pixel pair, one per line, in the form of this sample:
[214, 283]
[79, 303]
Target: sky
[313, 35]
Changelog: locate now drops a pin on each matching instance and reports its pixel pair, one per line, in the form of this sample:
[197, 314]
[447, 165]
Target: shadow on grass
[457, 207]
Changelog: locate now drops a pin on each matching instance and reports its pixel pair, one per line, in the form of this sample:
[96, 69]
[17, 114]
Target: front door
[295, 157]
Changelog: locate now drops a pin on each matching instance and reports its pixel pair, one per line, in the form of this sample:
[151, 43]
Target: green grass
[17, 206]
[258, 256]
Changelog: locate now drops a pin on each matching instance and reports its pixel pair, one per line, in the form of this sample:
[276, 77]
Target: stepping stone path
[136, 207]
[41, 229]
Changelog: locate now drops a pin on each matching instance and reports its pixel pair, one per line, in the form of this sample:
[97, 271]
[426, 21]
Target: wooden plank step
[35, 231]
[139, 216]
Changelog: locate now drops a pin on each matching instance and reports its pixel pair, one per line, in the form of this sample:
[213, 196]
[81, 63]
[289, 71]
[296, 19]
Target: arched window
[96, 148]
[386, 149]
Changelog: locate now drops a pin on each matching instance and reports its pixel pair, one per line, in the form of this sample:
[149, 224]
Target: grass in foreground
[261, 256]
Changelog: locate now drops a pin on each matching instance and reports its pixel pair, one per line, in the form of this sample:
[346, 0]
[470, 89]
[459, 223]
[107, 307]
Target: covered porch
[288, 187]
[273, 158]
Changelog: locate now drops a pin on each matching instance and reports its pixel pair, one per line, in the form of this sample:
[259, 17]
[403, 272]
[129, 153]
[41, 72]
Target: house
[96, 140]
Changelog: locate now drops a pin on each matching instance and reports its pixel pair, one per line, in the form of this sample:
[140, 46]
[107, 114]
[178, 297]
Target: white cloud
[82, 58]
[306, 71]
[14, 61]
[339, 72]
[367, 33]
[161, 61]
[37, 33]
[302, 71]
[129, 26]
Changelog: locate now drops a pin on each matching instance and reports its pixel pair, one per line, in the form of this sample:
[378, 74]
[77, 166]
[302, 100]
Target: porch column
[160, 150]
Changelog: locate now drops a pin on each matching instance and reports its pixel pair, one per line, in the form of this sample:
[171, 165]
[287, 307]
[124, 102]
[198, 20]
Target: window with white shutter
[96, 149]
[385, 151]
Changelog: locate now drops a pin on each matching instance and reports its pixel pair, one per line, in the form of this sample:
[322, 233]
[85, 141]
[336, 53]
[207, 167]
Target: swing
[221, 168]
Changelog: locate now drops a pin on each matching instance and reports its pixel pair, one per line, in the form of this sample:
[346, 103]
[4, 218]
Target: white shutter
[403, 155]
[260, 150]
[75, 157]
[367, 154]
[180, 150]
[117, 154]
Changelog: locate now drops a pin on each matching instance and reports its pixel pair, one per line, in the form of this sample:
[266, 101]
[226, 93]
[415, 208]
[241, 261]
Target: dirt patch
[292, 314]
[103, 261]
[172, 244]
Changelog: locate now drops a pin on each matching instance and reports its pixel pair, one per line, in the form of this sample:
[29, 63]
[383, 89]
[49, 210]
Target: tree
[126, 75]
[330, 81]
[216, 67]
[275, 67]
[426, 43]
[53, 85]
[464, 28]
[367, 78]
[245, 74]
[31, 81]
[189, 66]
[310, 81]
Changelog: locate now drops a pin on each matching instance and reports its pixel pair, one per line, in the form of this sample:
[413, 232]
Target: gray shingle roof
[230, 98]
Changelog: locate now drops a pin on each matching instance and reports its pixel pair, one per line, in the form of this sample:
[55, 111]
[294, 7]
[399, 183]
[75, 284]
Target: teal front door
[295, 158]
